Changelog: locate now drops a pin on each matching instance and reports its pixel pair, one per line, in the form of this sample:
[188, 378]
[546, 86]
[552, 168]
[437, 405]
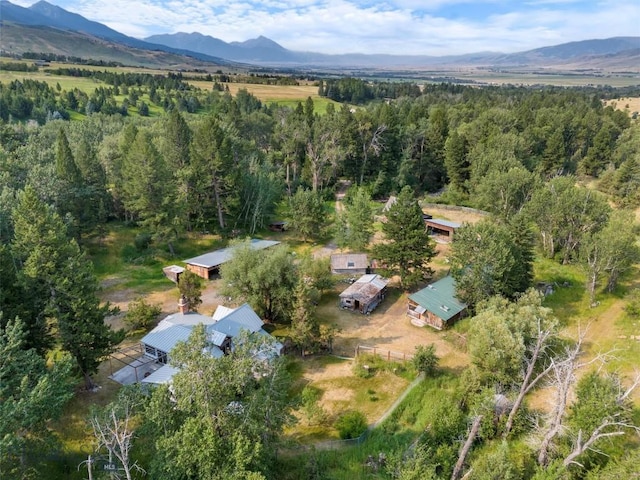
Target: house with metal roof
[364, 294]
[207, 265]
[350, 263]
[436, 305]
[221, 329]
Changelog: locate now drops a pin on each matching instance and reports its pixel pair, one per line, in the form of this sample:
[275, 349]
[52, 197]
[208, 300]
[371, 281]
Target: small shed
[364, 294]
[207, 266]
[441, 228]
[436, 305]
[278, 226]
[350, 263]
[173, 272]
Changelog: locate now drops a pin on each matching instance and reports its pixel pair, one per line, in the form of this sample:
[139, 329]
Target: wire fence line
[387, 354]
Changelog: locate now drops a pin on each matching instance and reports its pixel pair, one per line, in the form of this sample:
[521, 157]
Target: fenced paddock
[387, 354]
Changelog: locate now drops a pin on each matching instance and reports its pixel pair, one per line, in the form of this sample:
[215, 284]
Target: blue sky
[420, 27]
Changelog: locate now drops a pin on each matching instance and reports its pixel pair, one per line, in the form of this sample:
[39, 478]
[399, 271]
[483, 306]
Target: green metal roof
[440, 298]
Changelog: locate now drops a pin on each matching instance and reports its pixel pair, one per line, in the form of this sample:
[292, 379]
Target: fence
[384, 353]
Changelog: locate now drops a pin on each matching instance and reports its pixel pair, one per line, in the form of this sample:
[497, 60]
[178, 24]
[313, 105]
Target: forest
[557, 171]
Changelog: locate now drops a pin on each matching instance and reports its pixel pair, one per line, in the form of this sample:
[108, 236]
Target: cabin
[350, 263]
[436, 305]
[208, 265]
[222, 329]
[173, 272]
[440, 228]
[364, 294]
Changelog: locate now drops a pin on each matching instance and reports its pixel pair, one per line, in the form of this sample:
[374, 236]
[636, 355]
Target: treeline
[470, 140]
[53, 57]
[357, 91]
[34, 100]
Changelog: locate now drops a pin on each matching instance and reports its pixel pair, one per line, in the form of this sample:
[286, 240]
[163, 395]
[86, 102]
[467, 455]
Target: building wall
[200, 271]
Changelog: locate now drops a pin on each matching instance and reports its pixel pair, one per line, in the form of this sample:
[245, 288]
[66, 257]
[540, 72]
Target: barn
[443, 229]
[350, 263]
[436, 305]
[207, 265]
[364, 294]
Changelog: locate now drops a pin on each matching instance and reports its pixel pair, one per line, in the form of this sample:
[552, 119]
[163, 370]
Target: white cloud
[391, 26]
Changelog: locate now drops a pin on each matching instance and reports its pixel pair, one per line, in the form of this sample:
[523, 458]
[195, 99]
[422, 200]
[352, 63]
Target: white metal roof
[163, 375]
[221, 312]
[242, 318]
[165, 336]
[218, 257]
[444, 223]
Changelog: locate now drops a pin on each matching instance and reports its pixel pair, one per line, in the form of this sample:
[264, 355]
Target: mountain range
[47, 28]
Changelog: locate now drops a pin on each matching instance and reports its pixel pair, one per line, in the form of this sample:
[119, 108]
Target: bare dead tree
[610, 426]
[563, 377]
[464, 451]
[373, 144]
[534, 354]
[114, 433]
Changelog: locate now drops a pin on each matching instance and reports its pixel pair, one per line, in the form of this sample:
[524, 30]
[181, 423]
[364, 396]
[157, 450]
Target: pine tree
[408, 248]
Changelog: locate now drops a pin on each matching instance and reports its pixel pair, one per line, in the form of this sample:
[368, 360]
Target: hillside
[25, 38]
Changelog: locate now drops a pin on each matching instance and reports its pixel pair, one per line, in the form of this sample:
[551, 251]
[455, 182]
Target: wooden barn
[443, 229]
[364, 294]
[436, 305]
[350, 263]
[207, 266]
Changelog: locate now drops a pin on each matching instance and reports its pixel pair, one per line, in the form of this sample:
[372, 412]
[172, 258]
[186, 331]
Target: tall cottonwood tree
[225, 415]
[263, 278]
[407, 248]
[564, 214]
[490, 259]
[610, 252]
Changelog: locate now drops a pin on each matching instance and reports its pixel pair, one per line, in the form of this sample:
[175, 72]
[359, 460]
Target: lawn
[393, 436]
[343, 390]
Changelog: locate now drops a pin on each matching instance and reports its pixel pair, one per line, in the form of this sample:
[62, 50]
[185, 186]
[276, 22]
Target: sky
[413, 27]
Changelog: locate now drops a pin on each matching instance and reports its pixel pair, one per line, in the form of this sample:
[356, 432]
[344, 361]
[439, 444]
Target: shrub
[351, 424]
[425, 359]
[310, 407]
[142, 241]
[141, 314]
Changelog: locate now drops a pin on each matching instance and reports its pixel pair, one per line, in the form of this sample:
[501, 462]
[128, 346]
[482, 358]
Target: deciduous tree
[263, 278]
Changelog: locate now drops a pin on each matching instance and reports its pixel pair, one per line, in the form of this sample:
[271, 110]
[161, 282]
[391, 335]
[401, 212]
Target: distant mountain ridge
[616, 52]
[269, 51]
[44, 14]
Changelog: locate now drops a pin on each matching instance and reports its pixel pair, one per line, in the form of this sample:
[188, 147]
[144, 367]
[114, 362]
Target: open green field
[87, 85]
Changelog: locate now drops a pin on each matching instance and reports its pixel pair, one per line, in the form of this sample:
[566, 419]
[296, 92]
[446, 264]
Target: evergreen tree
[306, 213]
[407, 249]
[33, 393]
[190, 287]
[305, 329]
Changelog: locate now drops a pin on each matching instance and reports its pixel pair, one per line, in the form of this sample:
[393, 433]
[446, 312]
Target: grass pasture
[418, 410]
[284, 95]
[87, 85]
[343, 390]
[630, 105]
